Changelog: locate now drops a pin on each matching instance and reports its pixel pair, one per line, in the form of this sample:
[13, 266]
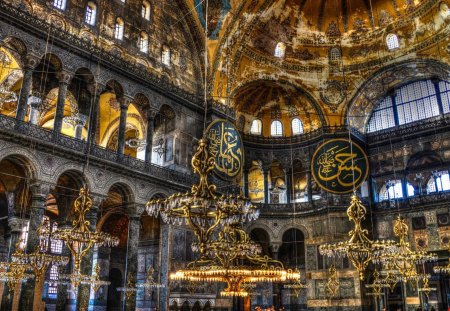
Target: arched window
[256, 128]
[276, 128]
[143, 42]
[392, 41]
[280, 50]
[145, 12]
[335, 54]
[59, 4]
[297, 126]
[91, 13]
[439, 181]
[165, 55]
[392, 190]
[413, 102]
[119, 29]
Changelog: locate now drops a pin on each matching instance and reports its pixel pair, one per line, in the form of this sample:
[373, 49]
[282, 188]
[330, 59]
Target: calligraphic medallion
[225, 145]
[336, 166]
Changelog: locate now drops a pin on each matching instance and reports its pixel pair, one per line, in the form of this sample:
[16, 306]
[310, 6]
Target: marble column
[164, 264]
[87, 262]
[124, 103]
[288, 178]
[34, 112]
[132, 256]
[79, 125]
[11, 296]
[245, 182]
[266, 185]
[92, 129]
[149, 137]
[309, 181]
[64, 80]
[31, 294]
[30, 63]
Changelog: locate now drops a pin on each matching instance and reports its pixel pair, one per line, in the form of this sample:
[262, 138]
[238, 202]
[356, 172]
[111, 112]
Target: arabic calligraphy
[336, 166]
[225, 145]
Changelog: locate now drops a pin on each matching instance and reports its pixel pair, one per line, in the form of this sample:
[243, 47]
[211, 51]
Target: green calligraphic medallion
[225, 145]
[337, 165]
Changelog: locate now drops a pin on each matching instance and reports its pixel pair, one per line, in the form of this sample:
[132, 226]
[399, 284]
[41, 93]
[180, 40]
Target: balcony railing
[422, 201]
[25, 131]
[302, 138]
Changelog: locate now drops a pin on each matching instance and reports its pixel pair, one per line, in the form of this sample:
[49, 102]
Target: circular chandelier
[201, 208]
[359, 248]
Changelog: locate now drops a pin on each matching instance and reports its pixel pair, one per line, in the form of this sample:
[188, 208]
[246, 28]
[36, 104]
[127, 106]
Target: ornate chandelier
[201, 208]
[404, 260]
[80, 238]
[150, 281]
[333, 284]
[15, 271]
[359, 248]
[76, 279]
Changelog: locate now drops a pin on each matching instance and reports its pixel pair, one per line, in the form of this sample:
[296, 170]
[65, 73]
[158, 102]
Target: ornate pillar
[309, 181]
[30, 63]
[164, 264]
[79, 125]
[31, 294]
[132, 256]
[288, 178]
[92, 129]
[11, 297]
[64, 80]
[87, 262]
[149, 137]
[124, 103]
[266, 171]
[245, 172]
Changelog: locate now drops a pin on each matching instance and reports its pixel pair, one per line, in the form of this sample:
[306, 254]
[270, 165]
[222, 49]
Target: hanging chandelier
[443, 269]
[333, 284]
[359, 248]
[150, 282]
[15, 271]
[201, 208]
[130, 288]
[376, 286]
[404, 260]
[80, 238]
[76, 279]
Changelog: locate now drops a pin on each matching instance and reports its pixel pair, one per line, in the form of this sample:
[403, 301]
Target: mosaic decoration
[217, 10]
[333, 94]
[336, 164]
[225, 145]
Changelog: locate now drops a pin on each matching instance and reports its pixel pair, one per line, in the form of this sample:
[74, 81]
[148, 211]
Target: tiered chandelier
[404, 260]
[359, 248]
[222, 245]
[15, 271]
[80, 238]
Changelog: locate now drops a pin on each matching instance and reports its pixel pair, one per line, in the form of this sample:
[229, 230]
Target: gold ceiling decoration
[80, 238]
[210, 216]
[358, 248]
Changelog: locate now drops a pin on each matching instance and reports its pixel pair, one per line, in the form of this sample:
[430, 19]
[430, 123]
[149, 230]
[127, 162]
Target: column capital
[16, 224]
[95, 89]
[30, 61]
[150, 113]
[64, 76]
[124, 102]
[40, 188]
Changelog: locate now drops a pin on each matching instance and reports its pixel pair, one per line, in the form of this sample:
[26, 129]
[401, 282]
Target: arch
[16, 45]
[292, 250]
[263, 227]
[158, 193]
[115, 87]
[296, 225]
[244, 96]
[25, 159]
[119, 28]
[280, 50]
[261, 237]
[374, 89]
[146, 9]
[123, 186]
[392, 42]
[91, 13]
[143, 42]
[256, 127]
